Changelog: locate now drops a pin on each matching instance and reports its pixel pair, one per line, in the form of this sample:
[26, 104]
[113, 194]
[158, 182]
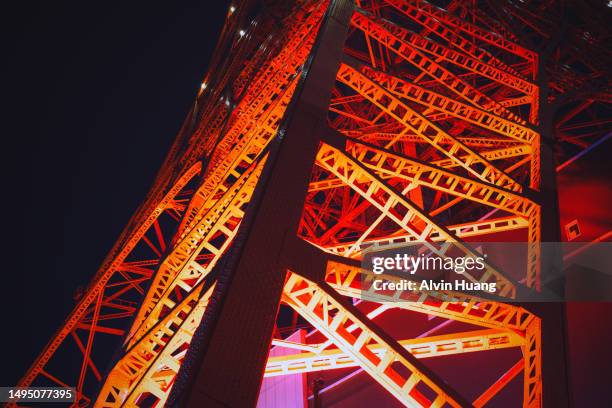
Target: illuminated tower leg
[242, 316]
[555, 380]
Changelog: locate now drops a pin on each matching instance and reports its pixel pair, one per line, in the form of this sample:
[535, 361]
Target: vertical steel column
[555, 370]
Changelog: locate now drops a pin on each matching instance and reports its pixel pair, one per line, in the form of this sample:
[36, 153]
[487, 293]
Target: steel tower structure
[324, 128]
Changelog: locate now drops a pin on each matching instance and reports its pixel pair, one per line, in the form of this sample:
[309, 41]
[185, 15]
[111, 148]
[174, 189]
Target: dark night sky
[93, 94]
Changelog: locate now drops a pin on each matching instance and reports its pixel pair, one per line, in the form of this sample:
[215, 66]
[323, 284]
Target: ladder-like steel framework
[433, 135]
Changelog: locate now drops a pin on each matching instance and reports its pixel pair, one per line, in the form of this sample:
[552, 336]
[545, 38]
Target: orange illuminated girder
[447, 119]
[179, 271]
[413, 221]
[426, 347]
[458, 152]
[101, 286]
[332, 318]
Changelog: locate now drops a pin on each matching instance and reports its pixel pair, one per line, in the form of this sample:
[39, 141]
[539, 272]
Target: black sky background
[93, 94]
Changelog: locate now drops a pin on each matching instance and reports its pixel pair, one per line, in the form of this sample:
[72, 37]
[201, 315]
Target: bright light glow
[203, 86]
[610, 3]
[232, 9]
[242, 33]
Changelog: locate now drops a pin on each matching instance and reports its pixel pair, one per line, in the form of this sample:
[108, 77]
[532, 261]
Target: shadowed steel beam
[242, 316]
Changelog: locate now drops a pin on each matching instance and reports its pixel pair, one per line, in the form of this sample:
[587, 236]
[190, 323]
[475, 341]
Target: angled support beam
[258, 114]
[452, 107]
[332, 316]
[132, 369]
[352, 280]
[469, 29]
[499, 384]
[449, 33]
[425, 347]
[458, 152]
[430, 66]
[180, 264]
[232, 162]
[492, 155]
[161, 372]
[112, 264]
[476, 65]
[213, 234]
[470, 229]
[390, 164]
[402, 211]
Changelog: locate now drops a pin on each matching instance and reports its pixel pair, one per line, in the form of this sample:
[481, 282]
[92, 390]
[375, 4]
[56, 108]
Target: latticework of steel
[434, 134]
